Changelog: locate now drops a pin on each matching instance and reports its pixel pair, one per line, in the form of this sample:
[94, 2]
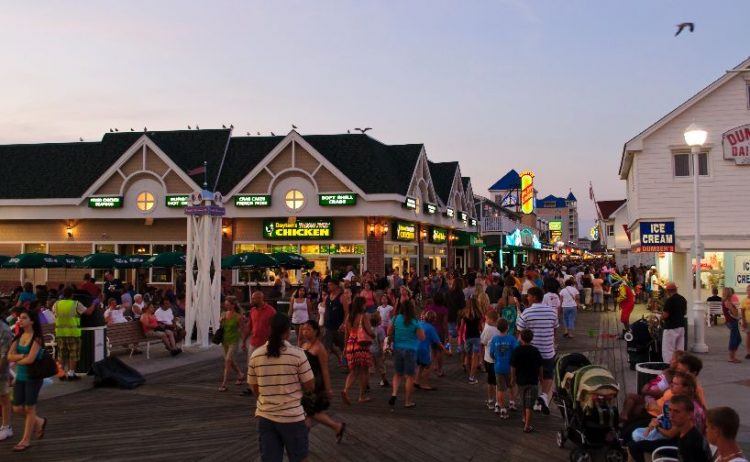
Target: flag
[627, 231]
[591, 191]
[197, 170]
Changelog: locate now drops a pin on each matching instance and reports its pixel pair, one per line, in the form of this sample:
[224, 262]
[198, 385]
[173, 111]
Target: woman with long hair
[369, 294]
[732, 316]
[26, 348]
[507, 306]
[359, 335]
[455, 302]
[152, 329]
[404, 336]
[319, 400]
[471, 321]
[300, 309]
[230, 323]
[483, 300]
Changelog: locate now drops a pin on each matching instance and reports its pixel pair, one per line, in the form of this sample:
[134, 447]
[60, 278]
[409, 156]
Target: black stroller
[587, 398]
[644, 341]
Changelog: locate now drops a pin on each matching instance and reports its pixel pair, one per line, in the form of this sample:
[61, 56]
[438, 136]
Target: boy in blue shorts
[501, 350]
[424, 351]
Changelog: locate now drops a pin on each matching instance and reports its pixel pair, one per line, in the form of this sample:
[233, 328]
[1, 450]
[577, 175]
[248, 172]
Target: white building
[657, 167]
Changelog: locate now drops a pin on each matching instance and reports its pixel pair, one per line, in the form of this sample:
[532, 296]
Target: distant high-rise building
[564, 210]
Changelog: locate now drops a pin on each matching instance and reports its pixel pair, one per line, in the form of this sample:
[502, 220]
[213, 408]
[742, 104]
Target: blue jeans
[274, 437]
[734, 336]
[569, 317]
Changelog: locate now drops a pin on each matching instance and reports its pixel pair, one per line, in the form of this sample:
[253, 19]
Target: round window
[294, 199]
[145, 201]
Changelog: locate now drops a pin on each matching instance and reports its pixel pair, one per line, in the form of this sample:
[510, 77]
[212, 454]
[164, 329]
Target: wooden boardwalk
[179, 416]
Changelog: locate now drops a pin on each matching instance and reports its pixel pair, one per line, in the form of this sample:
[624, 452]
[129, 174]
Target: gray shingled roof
[442, 174]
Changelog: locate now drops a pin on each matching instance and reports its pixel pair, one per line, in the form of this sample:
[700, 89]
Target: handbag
[218, 337]
[43, 367]
[363, 338]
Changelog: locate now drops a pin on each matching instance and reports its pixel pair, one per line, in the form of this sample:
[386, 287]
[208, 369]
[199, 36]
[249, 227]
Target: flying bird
[682, 26]
[363, 130]
[294, 126]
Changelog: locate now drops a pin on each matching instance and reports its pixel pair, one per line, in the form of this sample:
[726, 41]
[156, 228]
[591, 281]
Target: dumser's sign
[301, 229]
[527, 192]
[333, 200]
[403, 231]
[736, 145]
[110, 202]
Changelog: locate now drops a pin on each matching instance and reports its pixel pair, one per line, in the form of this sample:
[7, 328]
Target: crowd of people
[505, 324]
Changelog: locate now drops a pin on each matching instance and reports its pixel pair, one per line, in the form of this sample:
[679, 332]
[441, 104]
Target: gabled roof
[465, 181]
[607, 208]
[243, 155]
[511, 180]
[443, 174]
[571, 197]
[635, 143]
[559, 202]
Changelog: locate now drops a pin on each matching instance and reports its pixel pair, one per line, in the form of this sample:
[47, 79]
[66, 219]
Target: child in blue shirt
[424, 351]
[501, 348]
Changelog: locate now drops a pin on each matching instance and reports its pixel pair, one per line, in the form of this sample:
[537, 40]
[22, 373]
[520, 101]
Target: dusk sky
[552, 86]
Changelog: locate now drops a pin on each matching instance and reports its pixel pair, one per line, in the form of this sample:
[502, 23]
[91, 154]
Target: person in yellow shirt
[745, 307]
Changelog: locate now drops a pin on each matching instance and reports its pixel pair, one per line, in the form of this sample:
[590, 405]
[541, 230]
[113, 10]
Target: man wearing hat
[673, 319]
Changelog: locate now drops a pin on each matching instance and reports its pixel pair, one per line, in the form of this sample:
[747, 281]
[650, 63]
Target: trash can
[93, 348]
[647, 371]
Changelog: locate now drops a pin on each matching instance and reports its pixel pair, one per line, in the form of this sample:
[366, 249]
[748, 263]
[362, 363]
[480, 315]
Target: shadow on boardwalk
[180, 416]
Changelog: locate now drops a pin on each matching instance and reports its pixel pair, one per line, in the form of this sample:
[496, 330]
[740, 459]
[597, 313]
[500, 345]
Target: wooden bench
[129, 335]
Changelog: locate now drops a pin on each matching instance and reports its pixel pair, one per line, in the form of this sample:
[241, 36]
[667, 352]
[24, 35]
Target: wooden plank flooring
[179, 416]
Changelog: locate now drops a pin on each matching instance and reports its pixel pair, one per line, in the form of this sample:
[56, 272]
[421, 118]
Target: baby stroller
[587, 398]
[644, 341]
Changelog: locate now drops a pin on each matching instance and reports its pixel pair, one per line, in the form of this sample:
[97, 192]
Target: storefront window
[294, 199]
[309, 249]
[145, 201]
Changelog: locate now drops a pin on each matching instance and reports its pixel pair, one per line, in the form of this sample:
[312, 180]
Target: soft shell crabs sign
[736, 144]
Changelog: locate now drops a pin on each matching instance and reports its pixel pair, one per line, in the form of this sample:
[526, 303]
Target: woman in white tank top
[299, 310]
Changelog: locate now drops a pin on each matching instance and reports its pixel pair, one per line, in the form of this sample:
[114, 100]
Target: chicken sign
[736, 145]
[527, 191]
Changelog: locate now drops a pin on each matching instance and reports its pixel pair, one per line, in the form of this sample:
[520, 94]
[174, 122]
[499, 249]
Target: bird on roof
[294, 127]
[117, 129]
[111, 131]
[247, 133]
[231, 126]
[80, 139]
[189, 127]
[273, 134]
[682, 26]
[197, 127]
[223, 126]
[349, 132]
[363, 130]
[258, 133]
[145, 129]
[131, 129]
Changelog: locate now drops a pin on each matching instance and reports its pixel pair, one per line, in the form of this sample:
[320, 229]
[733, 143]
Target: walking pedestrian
[257, 327]
[570, 298]
[673, 317]
[300, 309]
[471, 321]
[25, 350]
[230, 323]
[526, 370]
[404, 336]
[359, 337]
[278, 373]
[732, 317]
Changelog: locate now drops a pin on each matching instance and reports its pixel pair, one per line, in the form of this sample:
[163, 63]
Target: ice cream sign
[742, 272]
[736, 145]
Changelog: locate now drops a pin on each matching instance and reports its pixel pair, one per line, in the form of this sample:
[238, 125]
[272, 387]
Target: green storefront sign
[404, 231]
[336, 200]
[301, 229]
[410, 203]
[438, 235]
[108, 202]
[178, 201]
[430, 209]
[252, 200]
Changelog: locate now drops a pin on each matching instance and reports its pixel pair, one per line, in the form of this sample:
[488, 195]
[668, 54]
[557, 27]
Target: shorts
[159, 334]
[404, 362]
[68, 348]
[229, 350]
[598, 297]
[502, 381]
[489, 368]
[529, 394]
[275, 438]
[424, 358]
[333, 338]
[473, 345]
[26, 392]
[452, 330]
[548, 368]
[735, 338]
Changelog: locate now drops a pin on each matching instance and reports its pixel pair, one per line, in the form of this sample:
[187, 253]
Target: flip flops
[340, 434]
[40, 433]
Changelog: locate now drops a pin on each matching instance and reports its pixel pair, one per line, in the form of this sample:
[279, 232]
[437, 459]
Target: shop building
[562, 210]
[657, 166]
[340, 200]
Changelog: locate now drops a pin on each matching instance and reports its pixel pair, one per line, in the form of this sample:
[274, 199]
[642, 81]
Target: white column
[699, 306]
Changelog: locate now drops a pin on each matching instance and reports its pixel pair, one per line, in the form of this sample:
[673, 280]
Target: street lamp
[695, 137]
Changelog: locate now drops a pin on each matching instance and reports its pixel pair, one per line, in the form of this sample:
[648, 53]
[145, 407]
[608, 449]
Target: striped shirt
[542, 321]
[279, 382]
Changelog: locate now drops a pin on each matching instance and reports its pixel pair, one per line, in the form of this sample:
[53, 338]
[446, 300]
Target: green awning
[466, 239]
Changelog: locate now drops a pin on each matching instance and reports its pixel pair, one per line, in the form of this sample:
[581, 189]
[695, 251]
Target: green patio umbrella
[133, 261]
[33, 260]
[68, 261]
[103, 260]
[166, 260]
[3, 259]
[290, 260]
[248, 260]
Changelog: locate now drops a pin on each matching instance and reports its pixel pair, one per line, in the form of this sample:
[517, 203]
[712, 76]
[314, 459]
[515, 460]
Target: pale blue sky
[554, 86]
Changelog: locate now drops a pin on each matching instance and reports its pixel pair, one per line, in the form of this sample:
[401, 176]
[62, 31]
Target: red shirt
[259, 324]
[91, 288]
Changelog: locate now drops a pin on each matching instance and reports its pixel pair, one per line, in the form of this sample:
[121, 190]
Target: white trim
[40, 202]
[141, 172]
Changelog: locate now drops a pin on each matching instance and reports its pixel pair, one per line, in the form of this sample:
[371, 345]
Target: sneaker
[473, 380]
[497, 408]
[512, 405]
[5, 433]
[537, 407]
[490, 404]
[503, 413]
[542, 403]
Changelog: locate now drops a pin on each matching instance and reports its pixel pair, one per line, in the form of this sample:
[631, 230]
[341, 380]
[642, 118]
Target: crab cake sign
[736, 144]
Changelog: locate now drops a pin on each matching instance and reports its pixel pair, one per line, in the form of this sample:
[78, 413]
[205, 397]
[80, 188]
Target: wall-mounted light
[225, 231]
[69, 231]
[377, 229]
[371, 229]
[423, 234]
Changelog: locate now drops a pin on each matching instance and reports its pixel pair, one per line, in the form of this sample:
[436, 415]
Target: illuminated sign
[736, 145]
[463, 216]
[438, 235]
[301, 229]
[657, 236]
[430, 209]
[335, 200]
[523, 238]
[403, 231]
[410, 203]
[110, 202]
[555, 231]
[178, 201]
[473, 221]
[252, 200]
[594, 233]
[527, 192]
[449, 212]
[742, 272]
[555, 225]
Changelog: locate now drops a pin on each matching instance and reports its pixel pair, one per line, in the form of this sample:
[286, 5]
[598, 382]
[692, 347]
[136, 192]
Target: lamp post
[695, 137]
